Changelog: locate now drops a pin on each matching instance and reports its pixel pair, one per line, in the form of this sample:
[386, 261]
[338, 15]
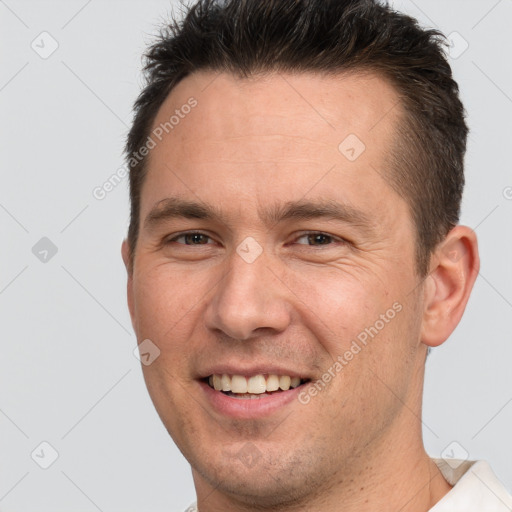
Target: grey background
[68, 375]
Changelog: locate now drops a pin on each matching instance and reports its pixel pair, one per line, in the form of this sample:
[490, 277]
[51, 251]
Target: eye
[317, 238]
[191, 238]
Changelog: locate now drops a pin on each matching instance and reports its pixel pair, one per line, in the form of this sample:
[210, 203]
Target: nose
[249, 300]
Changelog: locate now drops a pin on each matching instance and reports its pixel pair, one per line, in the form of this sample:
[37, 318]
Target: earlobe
[125, 253]
[455, 266]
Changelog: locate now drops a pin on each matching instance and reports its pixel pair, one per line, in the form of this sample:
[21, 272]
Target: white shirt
[475, 488]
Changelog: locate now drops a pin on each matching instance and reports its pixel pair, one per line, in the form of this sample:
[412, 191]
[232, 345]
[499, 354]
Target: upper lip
[251, 370]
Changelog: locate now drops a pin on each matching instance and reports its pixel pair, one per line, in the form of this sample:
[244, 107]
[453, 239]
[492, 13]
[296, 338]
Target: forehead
[283, 103]
[246, 141]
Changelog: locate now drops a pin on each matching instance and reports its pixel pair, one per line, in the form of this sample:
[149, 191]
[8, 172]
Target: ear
[454, 268]
[125, 253]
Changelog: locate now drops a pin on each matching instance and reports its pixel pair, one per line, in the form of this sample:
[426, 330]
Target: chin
[267, 481]
[256, 488]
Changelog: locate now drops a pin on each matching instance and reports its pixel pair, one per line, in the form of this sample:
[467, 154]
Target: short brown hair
[245, 37]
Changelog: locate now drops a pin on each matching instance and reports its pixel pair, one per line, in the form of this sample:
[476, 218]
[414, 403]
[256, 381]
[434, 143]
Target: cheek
[365, 326]
[337, 306]
[387, 360]
[165, 303]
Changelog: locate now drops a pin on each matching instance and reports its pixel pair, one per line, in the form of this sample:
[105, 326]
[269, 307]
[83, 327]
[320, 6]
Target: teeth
[217, 382]
[238, 384]
[272, 383]
[294, 382]
[256, 385]
[225, 382]
[284, 382]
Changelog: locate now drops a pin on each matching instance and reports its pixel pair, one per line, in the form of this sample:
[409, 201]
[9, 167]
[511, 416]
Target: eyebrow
[176, 207]
[329, 209]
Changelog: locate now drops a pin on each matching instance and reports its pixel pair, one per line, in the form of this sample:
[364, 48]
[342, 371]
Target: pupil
[319, 239]
[196, 238]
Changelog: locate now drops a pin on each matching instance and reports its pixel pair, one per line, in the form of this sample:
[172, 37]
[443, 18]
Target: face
[272, 250]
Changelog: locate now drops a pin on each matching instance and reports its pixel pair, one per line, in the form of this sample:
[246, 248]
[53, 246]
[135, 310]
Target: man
[296, 172]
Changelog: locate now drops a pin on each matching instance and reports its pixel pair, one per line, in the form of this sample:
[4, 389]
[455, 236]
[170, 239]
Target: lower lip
[249, 408]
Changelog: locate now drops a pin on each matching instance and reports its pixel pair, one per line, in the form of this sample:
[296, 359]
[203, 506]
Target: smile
[240, 386]
[253, 397]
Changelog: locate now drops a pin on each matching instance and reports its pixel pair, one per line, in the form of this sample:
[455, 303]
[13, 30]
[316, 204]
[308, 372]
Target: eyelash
[305, 234]
[187, 233]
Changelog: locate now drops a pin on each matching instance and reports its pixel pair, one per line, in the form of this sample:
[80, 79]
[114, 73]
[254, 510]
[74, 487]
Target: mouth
[253, 387]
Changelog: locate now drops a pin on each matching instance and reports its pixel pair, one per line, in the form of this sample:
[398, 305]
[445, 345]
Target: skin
[248, 146]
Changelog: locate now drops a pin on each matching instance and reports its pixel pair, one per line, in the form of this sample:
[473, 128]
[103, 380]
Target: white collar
[476, 488]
